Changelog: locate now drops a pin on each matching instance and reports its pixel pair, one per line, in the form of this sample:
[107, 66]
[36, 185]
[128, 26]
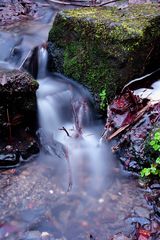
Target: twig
[64, 129]
[148, 56]
[139, 79]
[9, 126]
[25, 58]
[69, 170]
[76, 120]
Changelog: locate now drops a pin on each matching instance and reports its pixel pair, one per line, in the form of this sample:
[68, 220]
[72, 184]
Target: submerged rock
[105, 47]
[10, 159]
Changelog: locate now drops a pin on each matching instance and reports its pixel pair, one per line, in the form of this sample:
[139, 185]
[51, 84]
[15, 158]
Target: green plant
[103, 99]
[154, 168]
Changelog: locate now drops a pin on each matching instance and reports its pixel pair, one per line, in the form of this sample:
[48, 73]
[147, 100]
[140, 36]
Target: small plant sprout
[154, 168]
[103, 99]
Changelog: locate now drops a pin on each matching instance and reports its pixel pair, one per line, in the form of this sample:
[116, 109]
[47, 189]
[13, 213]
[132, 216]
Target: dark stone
[18, 116]
[9, 159]
[157, 210]
[18, 100]
[31, 63]
[134, 166]
[155, 186]
[55, 57]
[30, 150]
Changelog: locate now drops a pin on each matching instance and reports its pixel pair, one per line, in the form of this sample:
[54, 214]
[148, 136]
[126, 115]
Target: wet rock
[16, 81]
[55, 57]
[142, 221]
[142, 212]
[155, 186]
[18, 99]
[18, 112]
[134, 166]
[31, 149]
[16, 10]
[120, 236]
[157, 208]
[9, 159]
[45, 236]
[31, 63]
[104, 48]
[9, 148]
[143, 183]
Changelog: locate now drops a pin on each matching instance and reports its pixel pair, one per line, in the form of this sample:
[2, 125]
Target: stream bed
[74, 189]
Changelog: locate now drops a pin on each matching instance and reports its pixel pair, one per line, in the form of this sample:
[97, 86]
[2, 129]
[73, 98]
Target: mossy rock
[105, 47]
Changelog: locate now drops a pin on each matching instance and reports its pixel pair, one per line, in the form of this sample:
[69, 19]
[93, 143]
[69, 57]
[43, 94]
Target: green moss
[106, 46]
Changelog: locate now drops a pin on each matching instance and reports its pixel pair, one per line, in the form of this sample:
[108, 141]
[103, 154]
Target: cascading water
[42, 62]
[66, 119]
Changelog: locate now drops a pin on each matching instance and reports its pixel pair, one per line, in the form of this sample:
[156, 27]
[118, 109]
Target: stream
[74, 189]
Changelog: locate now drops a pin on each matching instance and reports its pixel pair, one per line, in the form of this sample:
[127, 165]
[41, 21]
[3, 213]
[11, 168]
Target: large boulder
[106, 47]
[18, 98]
[18, 117]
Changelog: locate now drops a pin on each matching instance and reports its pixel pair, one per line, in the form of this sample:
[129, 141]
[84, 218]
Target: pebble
[45, 236]
[9, 148]
[143, 183]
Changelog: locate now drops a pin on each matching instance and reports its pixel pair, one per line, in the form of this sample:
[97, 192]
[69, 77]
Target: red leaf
[144, 234]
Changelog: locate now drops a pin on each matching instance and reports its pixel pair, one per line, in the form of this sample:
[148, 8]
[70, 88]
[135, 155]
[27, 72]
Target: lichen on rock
[105, 47]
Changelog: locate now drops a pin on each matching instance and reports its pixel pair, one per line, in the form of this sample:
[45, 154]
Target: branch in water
[64, 129]
[77, 123]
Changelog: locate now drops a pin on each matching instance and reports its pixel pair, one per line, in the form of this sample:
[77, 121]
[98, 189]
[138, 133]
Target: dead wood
[64, 129]
[138, 115]
[80, 3]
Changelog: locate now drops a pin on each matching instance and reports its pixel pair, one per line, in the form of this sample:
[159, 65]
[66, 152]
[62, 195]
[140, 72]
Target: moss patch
[106, 47]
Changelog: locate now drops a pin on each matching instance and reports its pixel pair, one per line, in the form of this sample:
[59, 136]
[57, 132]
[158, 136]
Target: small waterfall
[67, 123]
[42, 61]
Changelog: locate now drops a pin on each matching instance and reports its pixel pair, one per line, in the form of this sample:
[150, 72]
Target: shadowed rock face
[104, 48]
[16, 10]
[17, 117]
[18, 97]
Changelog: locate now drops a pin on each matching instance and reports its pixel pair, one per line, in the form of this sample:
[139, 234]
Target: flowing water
[74, 189]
